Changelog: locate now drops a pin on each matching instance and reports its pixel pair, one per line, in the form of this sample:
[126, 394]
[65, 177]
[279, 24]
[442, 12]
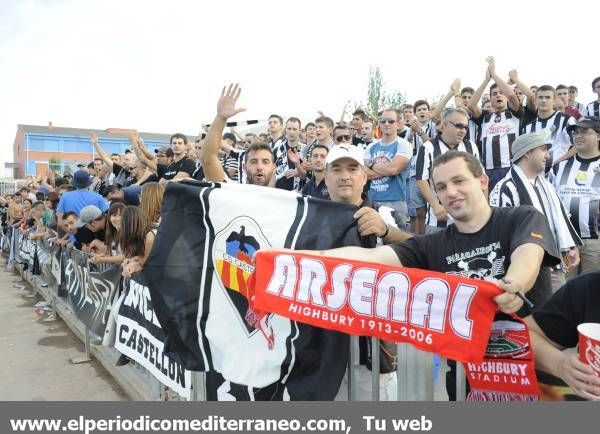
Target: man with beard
[259, 159]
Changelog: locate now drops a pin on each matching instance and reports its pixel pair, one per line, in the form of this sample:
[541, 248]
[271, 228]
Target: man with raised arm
[259, 160]
[500, 128]
[122, 174]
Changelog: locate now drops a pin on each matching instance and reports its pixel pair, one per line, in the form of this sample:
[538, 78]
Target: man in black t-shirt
[506, 246]
[181, 166]
[553, 328]
[91, 226]
[359, 117]
[484, 242]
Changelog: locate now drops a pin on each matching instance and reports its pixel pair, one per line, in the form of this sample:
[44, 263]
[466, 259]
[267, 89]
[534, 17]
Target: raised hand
[491, 65]
[94, 138]
[293, 156]
[455, 86]
[513, 76]
[226, 105]
[133, 138]
[415, 125]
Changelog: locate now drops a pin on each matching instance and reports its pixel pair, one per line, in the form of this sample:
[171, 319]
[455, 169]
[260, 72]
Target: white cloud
[159, 66]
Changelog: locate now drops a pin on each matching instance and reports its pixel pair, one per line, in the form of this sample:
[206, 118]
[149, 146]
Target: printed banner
[197, 279]
[6, 243]
[508, 371]
[44, 261]
[90, 293]
[55, 262]
[140, 337]
[440, 313]
[23, 255]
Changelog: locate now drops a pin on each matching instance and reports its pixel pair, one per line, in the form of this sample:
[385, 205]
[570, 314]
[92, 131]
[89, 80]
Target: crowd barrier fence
[84, 295]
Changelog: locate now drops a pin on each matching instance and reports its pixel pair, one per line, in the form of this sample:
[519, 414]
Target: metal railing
[419, 375]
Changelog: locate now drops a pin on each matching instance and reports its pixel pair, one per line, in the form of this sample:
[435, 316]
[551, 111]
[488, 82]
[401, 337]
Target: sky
[159, 66]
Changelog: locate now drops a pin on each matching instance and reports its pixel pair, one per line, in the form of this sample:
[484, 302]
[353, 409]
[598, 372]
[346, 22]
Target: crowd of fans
[110, 208]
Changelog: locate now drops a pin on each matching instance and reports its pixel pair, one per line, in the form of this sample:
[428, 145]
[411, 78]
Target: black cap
[230, 136]
[592, 122]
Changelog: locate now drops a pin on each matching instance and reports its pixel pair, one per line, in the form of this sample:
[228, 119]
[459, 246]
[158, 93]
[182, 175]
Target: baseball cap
[345, 151]
[87, 215]
[527, 142]
[592, 122]
[81, 179]
[165, 150]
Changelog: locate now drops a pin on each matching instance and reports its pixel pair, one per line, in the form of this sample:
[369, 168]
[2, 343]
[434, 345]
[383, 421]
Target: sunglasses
[459, 125]
[345, 137]
[387, 121]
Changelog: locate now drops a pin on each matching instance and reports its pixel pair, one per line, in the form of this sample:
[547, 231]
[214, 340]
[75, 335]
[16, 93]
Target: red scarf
[435, 312]
[508, 372]
[441, 313]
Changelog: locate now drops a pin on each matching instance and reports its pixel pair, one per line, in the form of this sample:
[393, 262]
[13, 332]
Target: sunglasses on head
[387, 121]
[459, 125]
[345, 137]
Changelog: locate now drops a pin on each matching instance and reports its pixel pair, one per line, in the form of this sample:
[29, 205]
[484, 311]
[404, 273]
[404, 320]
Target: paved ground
[34, 355]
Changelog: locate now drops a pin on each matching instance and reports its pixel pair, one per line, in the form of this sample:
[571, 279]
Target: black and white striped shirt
[498, 132]
[555, 128]
[592, 109]
[427, 153]
[473, 131]
[511, 191]
[417, 142]
[577, 181]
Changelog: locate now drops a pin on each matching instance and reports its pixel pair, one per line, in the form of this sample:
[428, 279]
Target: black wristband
[387, 231]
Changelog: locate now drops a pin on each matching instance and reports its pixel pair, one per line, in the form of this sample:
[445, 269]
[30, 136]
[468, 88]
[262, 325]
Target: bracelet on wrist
[387, 231]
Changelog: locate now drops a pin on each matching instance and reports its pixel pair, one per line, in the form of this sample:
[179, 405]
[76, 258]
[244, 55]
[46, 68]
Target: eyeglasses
[343, 138]
[387, 121]
[459, 125]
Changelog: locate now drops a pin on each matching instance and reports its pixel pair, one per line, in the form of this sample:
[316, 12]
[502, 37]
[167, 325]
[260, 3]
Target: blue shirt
[76, 200]
[319, 191]
[389, 188]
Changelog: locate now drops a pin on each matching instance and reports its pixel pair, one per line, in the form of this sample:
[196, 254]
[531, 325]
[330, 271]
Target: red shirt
[572, 111]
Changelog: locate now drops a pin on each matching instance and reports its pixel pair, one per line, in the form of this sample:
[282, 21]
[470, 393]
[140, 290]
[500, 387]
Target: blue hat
[81, 179]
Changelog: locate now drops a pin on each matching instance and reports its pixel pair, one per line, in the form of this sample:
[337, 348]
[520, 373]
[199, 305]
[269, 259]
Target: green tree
[378, 97]
[54, 164]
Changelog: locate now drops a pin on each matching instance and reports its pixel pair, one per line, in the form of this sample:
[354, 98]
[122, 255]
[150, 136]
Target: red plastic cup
[589, 345]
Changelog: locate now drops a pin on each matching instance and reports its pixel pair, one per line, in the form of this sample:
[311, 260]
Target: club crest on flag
[234, 248]
[509, 338]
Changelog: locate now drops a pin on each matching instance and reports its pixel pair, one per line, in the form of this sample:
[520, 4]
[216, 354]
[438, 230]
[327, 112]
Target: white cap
[345, 151]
